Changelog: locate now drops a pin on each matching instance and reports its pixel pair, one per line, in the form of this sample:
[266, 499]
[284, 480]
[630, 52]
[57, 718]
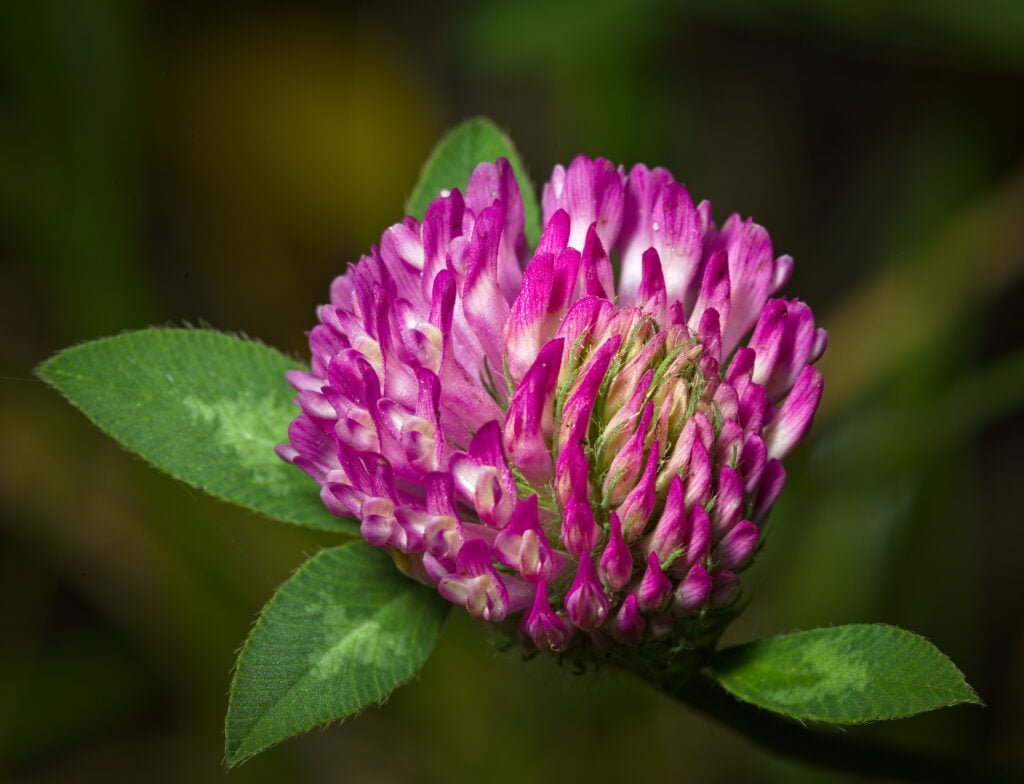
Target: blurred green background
[220, 163]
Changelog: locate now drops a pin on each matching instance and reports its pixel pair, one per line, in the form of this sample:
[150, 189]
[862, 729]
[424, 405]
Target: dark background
[174, 162]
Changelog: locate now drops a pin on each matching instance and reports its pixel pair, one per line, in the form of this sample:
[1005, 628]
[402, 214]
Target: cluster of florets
[535, 434]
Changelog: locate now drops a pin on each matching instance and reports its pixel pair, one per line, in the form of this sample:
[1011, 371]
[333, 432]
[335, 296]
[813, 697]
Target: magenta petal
[474, 559]
[820, 344]
[710, 367]
[752, 270]
[710, 331]
[623, 473]
[441, 224]
[529, 321]
[643, 188]
[353, 468]
[485, 308]
[698, 483]
[678, 461]
[729, 506]
[766, 342]
[382, 476]
[542, 626]
[754, 407]
[478, 585]
[740, 367]
[676, 314]
[591, 191]
[781, 273]
[418, 525]
[549, 285]
[655, 586]
[479, 485]
[670, 533]
[563, 289]
[586, 601]
[698, 543]
[715, 291]
[794, 418]
[692, 593]
[725, 587]
[675, 225]
[633, 376]
[771, 485]
[799, 343]
[428, 411]
[577, 409]
[753, 457]
[571, 474]
[728, 401]
[523, 545]
[529, 423]
[469, 532]
[488, 448]
[651, 295]
[584, 319]
[596, 267]
[303, 381]
[637, 507]
[628, 625]
[579, 529]
[624, 421]
[496, 181]
[440, 490]
[310, 447]
[737, 546]
[616, 565]
[442, 302]
[729, 444]
[555, 237]
[438, 569]
[442, 538]
[520, 593]
[659, 213]
[378, 525]
[404, 438]
[401, 253]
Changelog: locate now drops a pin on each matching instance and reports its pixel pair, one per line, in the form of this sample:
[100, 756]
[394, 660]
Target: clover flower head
[585, 438]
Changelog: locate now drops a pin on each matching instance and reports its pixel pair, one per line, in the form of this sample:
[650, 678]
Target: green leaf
[341, 634]
[844, 674]
[455, 157]
[205, 407]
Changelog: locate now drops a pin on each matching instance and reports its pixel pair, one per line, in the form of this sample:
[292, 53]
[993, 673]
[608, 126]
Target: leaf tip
[44, 371]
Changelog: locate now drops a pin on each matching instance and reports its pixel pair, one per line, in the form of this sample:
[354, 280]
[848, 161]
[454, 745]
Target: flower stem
[837, 751]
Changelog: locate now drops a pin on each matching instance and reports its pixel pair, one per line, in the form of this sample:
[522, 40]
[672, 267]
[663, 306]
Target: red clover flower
[544, 438]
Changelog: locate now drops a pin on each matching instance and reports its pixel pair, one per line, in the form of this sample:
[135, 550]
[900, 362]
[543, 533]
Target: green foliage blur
[166, 163]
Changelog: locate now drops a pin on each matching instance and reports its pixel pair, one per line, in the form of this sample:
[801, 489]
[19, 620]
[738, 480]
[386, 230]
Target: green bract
[844, 675]
[340, 635]
[454, 159]
[205, 407]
